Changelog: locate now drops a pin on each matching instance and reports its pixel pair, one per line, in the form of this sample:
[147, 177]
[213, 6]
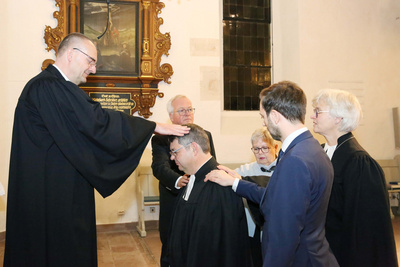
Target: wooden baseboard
[150, 225]
[2, 236]
[116, 227]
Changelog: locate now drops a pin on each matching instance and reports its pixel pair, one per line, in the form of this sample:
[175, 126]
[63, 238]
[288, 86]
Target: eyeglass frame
[256, 150]
[317, 111]
[185, 111]
[92, 62]
[175, 152]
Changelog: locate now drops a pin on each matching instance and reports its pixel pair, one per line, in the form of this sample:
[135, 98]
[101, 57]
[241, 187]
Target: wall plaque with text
[116, 101]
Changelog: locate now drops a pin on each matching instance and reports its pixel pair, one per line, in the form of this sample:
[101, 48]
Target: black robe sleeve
[105, 146]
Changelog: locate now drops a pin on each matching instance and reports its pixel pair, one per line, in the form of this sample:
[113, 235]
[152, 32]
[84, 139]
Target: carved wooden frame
[152, 45]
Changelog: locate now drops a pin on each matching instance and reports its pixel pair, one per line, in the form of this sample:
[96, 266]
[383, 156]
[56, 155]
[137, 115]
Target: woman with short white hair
[358, 224]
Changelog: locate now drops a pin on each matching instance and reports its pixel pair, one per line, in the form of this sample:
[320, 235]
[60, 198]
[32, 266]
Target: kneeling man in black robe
[209, 224]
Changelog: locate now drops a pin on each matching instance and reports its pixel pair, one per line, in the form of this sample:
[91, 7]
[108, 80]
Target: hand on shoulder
[222, 177]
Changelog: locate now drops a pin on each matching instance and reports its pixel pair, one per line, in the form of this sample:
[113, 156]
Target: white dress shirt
[291, 137]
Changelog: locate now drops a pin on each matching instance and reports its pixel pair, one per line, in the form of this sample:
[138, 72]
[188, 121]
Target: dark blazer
[294, 206]
[166, 171]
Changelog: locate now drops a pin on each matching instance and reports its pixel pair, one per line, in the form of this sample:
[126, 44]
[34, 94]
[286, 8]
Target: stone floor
[124, 247]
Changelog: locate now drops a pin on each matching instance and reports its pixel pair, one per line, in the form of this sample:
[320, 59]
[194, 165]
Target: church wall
[318, 45]
[355, 47]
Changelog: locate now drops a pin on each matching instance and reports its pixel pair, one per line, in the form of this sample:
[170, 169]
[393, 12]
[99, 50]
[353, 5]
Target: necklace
[344, 142]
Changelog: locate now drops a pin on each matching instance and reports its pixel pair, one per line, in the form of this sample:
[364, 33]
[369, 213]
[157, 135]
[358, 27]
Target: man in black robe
[209, 224]
[180, 111]
[64, 145]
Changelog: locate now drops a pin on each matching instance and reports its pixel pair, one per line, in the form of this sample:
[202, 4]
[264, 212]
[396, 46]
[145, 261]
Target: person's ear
[275, 116]
[70, 54]
[195, 148]
[338, 120]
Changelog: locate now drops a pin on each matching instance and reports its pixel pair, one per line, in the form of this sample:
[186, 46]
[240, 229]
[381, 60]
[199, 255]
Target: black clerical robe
[358, 224]
[167, 172]
[64, 145]
[210, 228]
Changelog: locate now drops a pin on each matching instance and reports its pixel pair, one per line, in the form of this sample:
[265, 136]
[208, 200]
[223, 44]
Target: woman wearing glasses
[358, 223]
[264, 148]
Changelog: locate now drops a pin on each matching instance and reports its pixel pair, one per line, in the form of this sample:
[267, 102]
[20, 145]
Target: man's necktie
[279, 156]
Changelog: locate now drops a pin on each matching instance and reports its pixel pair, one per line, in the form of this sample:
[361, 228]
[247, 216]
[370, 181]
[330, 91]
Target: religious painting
[114, 30]
[130, 46]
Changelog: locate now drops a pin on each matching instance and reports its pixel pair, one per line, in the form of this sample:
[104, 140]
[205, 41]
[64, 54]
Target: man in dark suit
[209, 224]
[295, 202]
[171, 179]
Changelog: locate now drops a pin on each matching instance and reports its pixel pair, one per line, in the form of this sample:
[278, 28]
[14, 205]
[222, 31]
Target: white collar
[329, 150]
[190, 185]
[291, 137]
[62, 73]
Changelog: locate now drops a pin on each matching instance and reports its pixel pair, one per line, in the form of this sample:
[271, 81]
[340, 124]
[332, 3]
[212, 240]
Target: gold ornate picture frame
[129, 68]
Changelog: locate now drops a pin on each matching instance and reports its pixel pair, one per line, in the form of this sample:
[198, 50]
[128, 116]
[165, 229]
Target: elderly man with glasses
[171, 179]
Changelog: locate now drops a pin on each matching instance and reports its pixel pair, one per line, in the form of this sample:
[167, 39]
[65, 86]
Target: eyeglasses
[263, 149]
[175, 152]
[183, 111]
[317, 111]
[92, 61]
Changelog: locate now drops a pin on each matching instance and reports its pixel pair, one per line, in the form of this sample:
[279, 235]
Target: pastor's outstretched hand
[171, 129]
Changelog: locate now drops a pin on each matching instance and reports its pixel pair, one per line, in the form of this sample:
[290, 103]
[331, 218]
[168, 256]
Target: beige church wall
[4, 147]
[355, 47]
[22, 50]
[317, 45]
